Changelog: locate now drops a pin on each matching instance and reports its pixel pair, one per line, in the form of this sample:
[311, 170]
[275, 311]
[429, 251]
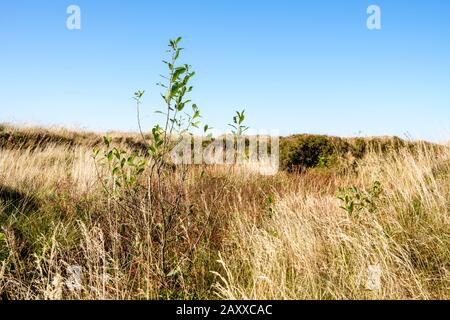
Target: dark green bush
[308, 151]
[300, 152]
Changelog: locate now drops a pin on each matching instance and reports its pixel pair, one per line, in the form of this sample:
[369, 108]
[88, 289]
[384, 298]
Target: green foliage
[4, 252]
[177, 119]
[310, 151]
[237, 125]
[323, 160]
[125, 168]
[138, 95]
[359, 148]
[384, 145]
[355, 200]
[270, 202]
[163, 195]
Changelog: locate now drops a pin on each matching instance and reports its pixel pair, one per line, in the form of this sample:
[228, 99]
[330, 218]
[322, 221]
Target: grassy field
[315, 233]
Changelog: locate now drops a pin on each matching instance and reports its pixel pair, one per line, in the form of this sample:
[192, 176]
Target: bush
[308, 151]
[299, 152]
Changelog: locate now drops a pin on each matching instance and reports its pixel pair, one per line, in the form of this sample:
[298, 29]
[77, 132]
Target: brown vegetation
[238, 235]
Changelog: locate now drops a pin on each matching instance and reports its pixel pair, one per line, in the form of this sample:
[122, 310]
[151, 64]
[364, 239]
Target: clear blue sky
[297, 66]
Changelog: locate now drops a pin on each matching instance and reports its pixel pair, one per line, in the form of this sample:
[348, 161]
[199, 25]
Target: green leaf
[180, 107]
[96, 151]
[107, 140]
[169, 65]
[177, 53]
[196, 114]
[178, 72]
[139, 94]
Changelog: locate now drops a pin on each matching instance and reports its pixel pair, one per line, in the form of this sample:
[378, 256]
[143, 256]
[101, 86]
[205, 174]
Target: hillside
[356, 218]
[295, 151]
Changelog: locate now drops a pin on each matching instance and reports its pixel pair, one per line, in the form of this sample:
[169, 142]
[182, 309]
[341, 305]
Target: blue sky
[296, 66]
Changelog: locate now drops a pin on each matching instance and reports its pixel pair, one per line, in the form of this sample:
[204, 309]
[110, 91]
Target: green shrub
[308, 151]
[355, 200]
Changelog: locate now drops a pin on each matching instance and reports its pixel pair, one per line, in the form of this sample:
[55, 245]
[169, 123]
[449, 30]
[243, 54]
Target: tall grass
[312, 249]
[241, 235]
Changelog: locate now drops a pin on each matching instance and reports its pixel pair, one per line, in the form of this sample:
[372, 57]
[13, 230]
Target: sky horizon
[295, 66]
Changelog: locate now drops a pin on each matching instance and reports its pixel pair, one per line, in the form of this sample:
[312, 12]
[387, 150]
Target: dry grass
[244, 235]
